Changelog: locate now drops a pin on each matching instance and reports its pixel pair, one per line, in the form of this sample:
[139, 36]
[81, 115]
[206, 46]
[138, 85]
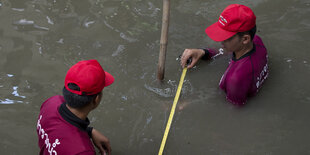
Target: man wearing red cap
[62, 125]
[248, 67]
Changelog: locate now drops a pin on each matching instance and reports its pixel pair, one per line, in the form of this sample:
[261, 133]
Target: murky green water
[41, 39]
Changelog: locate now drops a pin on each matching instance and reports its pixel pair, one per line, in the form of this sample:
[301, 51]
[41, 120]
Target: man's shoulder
[56, 98]
[49, 115]
[257, 40]
[53, 101]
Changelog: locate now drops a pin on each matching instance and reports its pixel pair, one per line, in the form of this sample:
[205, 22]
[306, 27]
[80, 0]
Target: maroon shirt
[244, 76]
[60, 131]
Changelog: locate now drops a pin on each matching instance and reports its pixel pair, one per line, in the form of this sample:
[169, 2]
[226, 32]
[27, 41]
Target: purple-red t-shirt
[245, 76]
[58, 136]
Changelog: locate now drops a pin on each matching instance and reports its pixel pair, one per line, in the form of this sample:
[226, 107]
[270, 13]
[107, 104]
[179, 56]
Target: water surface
[40, 40]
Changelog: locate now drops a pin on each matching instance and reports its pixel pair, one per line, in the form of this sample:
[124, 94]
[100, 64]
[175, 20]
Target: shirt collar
[67, 115]
[245, 55]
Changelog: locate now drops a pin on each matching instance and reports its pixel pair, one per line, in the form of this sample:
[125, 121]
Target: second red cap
[235, 18]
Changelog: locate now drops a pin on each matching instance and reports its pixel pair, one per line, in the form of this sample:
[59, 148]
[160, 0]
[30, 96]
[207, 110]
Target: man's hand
[101, 142]
[194, 54]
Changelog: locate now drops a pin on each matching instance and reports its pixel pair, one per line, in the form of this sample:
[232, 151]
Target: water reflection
[39, 40]
[14, 91]
[169, 88]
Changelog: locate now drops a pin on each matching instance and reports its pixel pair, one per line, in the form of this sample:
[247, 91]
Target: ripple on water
[169, 88]
[9, 101]
[49, 20]
[148, 10]
[6, 87]
[24, 24]
[120, 49]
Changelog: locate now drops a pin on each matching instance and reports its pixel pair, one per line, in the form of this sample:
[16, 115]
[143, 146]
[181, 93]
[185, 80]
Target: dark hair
[75, 100]
[250, 32]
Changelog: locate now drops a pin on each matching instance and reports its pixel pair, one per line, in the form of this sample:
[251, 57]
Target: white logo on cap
[222, 20]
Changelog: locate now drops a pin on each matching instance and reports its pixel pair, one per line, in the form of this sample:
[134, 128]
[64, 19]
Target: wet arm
[195, 55]
[209, 53]
[101, 142]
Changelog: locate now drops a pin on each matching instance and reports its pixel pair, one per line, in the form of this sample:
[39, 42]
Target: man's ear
[246, 39]
[97, 100]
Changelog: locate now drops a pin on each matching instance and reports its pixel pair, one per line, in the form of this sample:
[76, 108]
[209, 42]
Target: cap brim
[109, 79]
[216, 33]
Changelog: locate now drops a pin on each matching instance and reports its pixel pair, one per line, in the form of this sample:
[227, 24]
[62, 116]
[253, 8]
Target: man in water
[62, 125]
[248, 67]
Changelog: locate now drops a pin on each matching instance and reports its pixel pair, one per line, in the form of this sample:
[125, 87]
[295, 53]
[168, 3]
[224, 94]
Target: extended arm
[195, 55]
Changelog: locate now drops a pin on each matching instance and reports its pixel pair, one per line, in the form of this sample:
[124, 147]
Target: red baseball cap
[89, 76]
[235, 18]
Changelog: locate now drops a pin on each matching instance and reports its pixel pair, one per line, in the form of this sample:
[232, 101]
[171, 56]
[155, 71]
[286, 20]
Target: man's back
[56, 134]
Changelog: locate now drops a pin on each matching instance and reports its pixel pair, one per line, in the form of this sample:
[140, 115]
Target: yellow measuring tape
[176, 98]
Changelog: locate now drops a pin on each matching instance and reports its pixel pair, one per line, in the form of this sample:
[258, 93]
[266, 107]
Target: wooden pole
[163, 40]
